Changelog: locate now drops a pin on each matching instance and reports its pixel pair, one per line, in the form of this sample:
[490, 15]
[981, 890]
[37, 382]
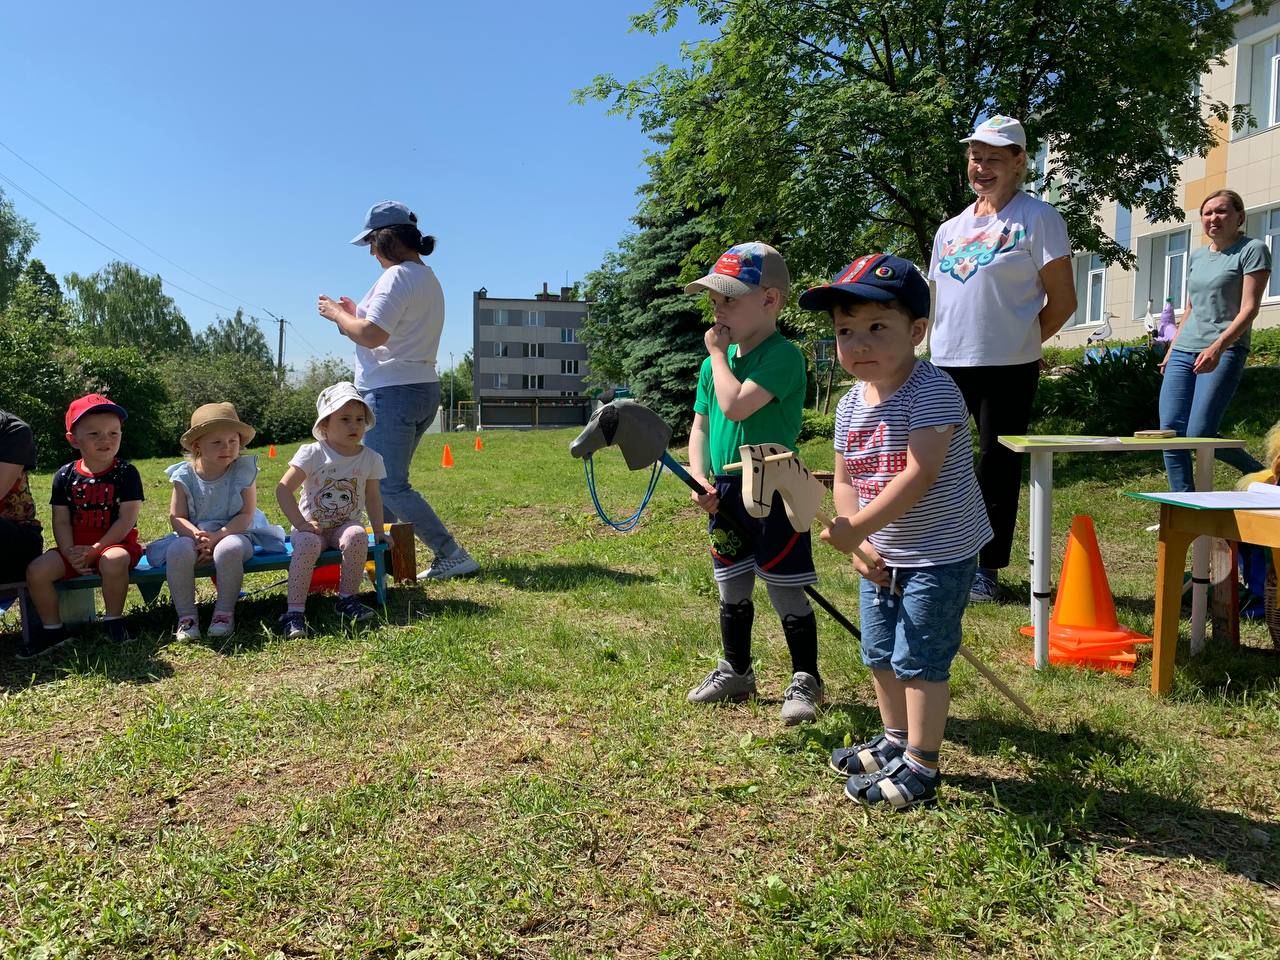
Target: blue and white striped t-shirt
[949, 523]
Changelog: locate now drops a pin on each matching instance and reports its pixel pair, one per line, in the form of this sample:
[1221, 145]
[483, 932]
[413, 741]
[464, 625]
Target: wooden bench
[77, 602]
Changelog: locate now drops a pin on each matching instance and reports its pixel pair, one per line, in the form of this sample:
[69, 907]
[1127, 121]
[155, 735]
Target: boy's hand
[80, 558]
[708, 501]
[843, 535]
[716, 338]
[204, 551]
[876, 571]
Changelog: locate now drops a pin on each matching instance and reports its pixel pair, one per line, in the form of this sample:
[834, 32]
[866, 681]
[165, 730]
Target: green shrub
[1265, 348]
[1113, 395]
[815, 424]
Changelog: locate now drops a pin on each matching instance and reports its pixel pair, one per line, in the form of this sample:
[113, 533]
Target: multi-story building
[529, 360]
[1247, 162]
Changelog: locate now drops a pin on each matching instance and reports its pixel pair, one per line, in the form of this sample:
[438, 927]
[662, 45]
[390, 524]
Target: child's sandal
[897, 785]
[869, 757]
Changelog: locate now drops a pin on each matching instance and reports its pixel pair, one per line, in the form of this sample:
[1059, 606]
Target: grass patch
[505, 765]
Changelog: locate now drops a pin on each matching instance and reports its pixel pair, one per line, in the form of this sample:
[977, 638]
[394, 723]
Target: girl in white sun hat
[339, 480]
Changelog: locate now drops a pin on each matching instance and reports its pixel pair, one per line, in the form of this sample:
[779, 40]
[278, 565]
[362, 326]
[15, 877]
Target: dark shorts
[135, 554]
[20, 543]
[769, 547]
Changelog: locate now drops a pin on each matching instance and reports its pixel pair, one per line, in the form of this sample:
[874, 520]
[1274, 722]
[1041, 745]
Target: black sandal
[869, 757]
[897, 785]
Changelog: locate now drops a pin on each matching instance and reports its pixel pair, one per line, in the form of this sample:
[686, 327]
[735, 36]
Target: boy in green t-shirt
[751, 390]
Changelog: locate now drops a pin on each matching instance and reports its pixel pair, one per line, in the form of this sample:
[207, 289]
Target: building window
[537, 318]
[1091, 290]
[501, 349]
[1175, 267]
[1264, 79]
[502, 381]
[1270, 234]
[568, 366]
[568, 393]
[532, 381]
[568, 335]
[532, 349]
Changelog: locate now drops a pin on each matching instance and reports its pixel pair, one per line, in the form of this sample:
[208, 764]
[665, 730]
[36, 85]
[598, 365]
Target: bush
[1112, 395]
[1265, 348]
[815, 424]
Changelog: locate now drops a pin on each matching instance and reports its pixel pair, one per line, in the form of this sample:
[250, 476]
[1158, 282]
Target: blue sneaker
[986, 588]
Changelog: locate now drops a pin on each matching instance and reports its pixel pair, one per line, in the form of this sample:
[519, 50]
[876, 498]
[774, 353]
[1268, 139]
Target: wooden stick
[404, 565]
[772, 458]
[995, 681]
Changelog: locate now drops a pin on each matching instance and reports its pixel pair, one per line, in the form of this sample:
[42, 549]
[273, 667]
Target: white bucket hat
[332, 399]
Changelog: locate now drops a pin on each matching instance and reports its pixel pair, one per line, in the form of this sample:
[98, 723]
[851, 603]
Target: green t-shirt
[778, 366]
[1215, 284]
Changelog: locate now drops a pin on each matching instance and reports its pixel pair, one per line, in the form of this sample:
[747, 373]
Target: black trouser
[20, 543]
[999, 400]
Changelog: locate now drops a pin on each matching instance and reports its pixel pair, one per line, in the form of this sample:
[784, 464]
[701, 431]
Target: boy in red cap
[96, 500]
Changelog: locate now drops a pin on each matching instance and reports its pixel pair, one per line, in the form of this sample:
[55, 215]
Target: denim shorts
[916, 633]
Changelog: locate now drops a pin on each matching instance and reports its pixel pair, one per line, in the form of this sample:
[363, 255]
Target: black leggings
[999, 400]
[20, 543]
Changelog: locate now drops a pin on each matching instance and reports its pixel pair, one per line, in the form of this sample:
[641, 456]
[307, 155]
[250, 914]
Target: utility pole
[280, 348]
[453, 373]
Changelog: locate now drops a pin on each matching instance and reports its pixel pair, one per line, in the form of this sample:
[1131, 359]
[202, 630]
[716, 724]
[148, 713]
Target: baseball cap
[332, 399]
[743, 268]
[92, 403]
[877, 276]
[999, 131]
[388, 213]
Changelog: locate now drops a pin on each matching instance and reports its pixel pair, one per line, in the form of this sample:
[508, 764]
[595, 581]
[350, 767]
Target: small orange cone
[1083, 629]
[447, 459]
[271, 452]
[479, 444]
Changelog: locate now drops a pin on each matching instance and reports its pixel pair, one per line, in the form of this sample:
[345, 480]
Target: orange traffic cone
[447, 459]
[271, 452]
[1083, 629]
[479, 444]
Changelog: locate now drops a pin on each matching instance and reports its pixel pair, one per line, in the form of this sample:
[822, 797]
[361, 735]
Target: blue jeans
[1194, 404]
[401, 416]
[916, 634]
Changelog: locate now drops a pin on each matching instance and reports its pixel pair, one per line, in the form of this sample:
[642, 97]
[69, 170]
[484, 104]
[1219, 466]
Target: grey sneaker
[350, 608]
[723, 684]
[801, 701]
[457, 564]
[188, 629]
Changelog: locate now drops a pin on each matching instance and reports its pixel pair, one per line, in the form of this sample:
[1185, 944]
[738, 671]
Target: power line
[117, 226]
[108, 247]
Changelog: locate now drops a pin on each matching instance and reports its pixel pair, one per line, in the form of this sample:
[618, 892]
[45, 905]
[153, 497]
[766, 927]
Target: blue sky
[246, 141]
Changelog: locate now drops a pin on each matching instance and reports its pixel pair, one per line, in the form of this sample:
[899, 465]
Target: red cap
[92, 403]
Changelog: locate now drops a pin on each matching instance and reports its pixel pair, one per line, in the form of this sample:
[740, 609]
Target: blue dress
[212, 503]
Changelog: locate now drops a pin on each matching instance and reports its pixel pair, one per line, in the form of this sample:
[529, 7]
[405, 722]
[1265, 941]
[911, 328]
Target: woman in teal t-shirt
[1203, 367]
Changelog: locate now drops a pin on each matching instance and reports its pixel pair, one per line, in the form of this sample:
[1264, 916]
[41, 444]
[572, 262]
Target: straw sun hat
[216, 416]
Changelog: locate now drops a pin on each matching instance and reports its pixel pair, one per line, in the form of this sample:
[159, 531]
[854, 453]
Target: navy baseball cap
[877, 276]
[388, 213]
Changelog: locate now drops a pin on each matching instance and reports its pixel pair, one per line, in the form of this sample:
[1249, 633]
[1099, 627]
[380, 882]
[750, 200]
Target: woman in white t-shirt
[1004, 286]
[396, 328]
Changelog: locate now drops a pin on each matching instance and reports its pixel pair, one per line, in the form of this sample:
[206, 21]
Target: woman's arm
[358, 330]
[1060, 296]
[1250, 300]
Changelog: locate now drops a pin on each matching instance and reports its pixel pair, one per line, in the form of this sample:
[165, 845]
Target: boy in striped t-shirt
[906, 494]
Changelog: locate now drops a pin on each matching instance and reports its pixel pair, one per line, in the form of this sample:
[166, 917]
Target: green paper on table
[1259, 496]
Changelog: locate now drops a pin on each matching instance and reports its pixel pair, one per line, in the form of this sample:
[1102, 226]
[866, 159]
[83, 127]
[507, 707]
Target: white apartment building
[1247, 162]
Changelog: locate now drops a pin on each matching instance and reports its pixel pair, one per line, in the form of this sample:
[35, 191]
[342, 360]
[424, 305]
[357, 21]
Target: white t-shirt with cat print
[333, 489]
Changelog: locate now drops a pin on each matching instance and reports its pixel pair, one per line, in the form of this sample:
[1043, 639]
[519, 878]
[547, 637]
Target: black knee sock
[735, 633]
[802, 641]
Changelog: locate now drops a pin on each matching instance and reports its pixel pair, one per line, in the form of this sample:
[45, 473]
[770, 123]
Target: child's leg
[737, 615]
[42, 573]
[878, 614]
[352, 540]
[799, 625]
[229, 556]
[179, 571]
[113, 567]
[306, 549]
[927, 705]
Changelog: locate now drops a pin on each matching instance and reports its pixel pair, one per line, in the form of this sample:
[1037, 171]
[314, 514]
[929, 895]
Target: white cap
[332, 399]
[999, 131]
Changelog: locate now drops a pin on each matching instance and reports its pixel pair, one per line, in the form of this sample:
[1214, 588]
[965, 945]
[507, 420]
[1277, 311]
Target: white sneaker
[188, 629]
[457, 564]
[222, 625]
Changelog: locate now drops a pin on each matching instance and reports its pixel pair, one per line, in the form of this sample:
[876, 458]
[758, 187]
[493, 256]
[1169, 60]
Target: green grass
[506, 766]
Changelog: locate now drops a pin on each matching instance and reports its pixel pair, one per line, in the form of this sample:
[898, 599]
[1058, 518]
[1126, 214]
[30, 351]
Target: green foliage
[119, 306]
[456, 383]
[816, 425]
[125, 375]
[17, 237]
[235, 336]
[840, 123]
[1115, 394]
[1264, 347]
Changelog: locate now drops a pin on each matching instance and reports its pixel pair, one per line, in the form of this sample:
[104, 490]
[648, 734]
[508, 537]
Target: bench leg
[380, 577]
[77, 606]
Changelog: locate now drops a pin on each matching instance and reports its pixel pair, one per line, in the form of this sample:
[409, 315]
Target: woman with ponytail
[396, 329]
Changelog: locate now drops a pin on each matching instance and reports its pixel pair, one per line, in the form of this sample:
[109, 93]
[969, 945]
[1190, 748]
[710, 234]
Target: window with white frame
[1266, 224]
[568, 366]
[533, 349]
[536, 318]
[1091, 290]
[532, 381]
[500, 349]
[1176, 256]
[502, 381]
[568, 335]
[1264, 81]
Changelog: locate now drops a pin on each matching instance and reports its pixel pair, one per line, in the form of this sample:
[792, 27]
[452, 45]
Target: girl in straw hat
[215, 517]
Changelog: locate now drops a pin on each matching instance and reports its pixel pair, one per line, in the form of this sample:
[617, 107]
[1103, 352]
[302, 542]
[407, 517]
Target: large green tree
[840, 120]
[119, 306]
[17, 237]
[235, 336]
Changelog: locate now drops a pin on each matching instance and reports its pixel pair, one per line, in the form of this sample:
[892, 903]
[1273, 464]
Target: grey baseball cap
[743, 268]
[388, 213]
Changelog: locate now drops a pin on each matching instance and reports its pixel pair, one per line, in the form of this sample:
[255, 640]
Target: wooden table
[1179, 526]
[1042, 448]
